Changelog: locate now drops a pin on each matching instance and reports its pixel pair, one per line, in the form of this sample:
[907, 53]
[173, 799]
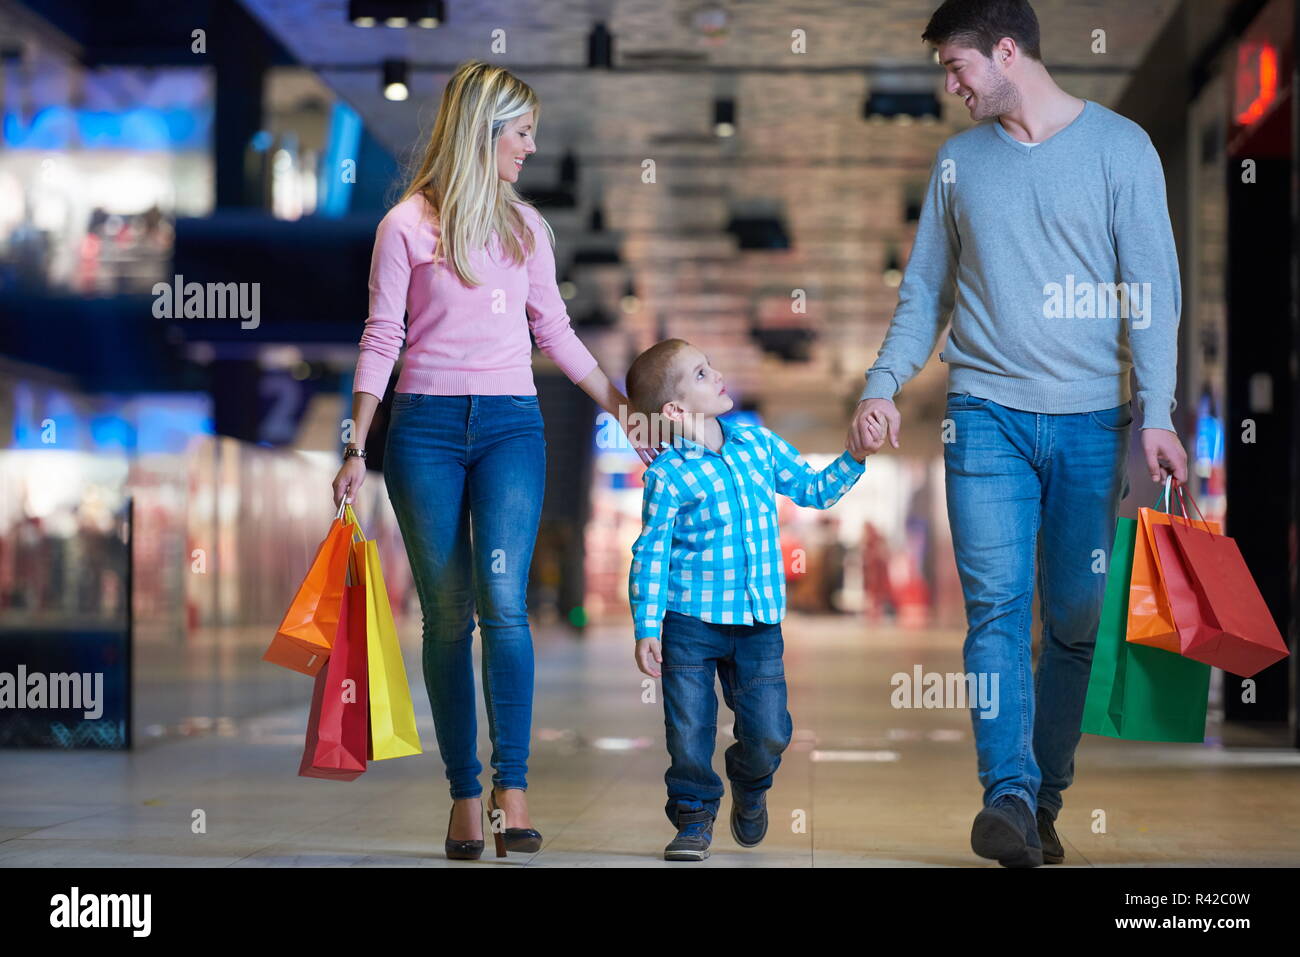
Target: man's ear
[1005, 52]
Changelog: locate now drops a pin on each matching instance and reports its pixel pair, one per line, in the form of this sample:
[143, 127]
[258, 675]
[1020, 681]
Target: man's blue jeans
[453, 462]
[1018, 482]
[747, 660]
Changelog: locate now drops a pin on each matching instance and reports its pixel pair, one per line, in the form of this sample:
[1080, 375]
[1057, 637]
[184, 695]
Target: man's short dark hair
[980, 24]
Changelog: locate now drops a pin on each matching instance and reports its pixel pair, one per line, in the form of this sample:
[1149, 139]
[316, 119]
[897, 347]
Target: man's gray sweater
[1057, 265]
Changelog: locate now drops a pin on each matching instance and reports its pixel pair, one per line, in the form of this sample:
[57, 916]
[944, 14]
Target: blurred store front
[1216, 94]
[165, 476]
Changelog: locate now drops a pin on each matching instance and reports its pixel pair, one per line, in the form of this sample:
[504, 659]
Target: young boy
[707, 587]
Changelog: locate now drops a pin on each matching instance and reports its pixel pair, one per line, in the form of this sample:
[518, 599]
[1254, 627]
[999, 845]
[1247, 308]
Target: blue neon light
[142, 128]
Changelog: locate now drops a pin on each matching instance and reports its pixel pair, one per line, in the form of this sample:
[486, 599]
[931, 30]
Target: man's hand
[859, 439]
[876, 429]
[648, 655]
[1165, 455]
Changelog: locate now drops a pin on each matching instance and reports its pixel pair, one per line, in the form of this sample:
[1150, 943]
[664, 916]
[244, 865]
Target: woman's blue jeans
[453, 463]
[1019, 483]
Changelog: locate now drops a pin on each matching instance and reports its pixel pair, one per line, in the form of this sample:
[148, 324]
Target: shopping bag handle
[1164, 495]
[350, 518]
[1183, 505]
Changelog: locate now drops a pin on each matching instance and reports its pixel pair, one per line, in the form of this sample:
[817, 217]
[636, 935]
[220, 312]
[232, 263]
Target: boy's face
[700, 388]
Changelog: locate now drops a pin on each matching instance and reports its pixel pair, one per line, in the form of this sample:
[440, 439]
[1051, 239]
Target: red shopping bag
[1151, 621]
[1238, 633]
[1193, 619]
[303, 640]
[338, 726]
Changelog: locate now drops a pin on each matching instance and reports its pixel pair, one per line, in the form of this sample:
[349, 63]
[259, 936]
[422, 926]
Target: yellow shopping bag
[392, 718]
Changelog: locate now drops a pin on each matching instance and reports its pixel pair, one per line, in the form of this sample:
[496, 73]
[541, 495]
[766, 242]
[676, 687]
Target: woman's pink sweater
[462, 340]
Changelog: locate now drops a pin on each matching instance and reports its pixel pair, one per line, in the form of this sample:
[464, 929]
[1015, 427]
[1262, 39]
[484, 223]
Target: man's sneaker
[1053, 852]
[749, 824]
[1007, 832]
[694, 835]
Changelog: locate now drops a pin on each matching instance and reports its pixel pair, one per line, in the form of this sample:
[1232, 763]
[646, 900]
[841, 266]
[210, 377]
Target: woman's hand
[614, 402]
[350, 478]
[647, 454]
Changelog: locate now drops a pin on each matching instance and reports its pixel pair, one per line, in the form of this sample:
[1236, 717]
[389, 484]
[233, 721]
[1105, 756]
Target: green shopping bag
[1136, 692]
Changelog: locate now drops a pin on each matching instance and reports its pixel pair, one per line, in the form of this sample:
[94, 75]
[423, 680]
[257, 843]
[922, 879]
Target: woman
[473, 265]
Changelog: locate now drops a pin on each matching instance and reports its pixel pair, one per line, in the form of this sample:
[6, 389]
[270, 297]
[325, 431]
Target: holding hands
[874, 420]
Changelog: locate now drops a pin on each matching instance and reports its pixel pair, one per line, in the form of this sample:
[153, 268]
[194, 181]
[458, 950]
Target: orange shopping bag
[1150, 618]
[338, 725]
[305, 636]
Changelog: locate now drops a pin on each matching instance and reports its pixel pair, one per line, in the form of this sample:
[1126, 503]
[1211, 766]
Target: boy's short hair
[651, 382]
[980, 24]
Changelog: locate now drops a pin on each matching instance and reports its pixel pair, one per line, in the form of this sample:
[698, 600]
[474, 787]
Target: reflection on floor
[864, 784]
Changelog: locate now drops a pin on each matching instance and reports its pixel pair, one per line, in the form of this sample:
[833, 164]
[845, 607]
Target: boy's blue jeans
[747, 660]
[1019, 481]
[452, 463]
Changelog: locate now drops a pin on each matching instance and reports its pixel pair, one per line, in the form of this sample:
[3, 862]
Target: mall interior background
[164, 481]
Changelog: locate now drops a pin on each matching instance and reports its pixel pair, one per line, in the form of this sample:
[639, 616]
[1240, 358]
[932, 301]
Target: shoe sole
[685, 855]
[1053, 858]
[994, 837]
[736, 837]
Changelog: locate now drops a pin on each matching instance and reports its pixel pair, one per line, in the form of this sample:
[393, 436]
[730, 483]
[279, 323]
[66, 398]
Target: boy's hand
[876, 428]
[648, 656]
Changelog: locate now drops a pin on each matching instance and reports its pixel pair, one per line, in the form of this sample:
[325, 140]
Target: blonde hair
[651, 383]
[458, 172]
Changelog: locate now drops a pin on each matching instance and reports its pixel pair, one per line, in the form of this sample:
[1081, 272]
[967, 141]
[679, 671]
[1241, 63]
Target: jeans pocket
[1114, 420]
[403, 399]
[964, 400]
[524, 401]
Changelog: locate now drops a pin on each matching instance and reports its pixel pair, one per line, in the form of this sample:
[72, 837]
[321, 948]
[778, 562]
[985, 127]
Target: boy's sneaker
[1053, 852]
[694, 834]
[1007, 832]
[748, 824]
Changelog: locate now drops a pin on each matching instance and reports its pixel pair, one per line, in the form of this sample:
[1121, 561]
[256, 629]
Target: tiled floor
[863, 784]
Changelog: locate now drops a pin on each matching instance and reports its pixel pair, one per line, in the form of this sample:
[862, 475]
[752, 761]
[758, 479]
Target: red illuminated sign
[1257, 76]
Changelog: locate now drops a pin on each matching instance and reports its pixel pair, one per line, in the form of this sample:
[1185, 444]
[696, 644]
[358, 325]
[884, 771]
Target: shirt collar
[731, 432]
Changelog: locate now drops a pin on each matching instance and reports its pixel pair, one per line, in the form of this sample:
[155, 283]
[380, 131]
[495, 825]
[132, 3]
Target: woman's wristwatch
[353, 452]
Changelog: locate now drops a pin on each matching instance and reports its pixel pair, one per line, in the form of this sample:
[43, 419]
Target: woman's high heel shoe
[524, 840]
[463, 850]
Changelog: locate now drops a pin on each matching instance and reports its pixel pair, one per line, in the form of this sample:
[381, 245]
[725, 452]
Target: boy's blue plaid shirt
[709, 544]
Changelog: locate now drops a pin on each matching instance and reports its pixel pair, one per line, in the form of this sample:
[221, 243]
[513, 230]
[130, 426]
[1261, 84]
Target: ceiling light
[630, 303]
[901, 106]
[600, 48]
[724, 117]
[397, 14]
[394, 84]
[893, 275]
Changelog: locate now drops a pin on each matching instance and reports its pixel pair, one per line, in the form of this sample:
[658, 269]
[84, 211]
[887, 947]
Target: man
[1045, 235]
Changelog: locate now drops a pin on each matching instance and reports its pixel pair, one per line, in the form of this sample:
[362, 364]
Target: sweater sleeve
[548, 317]
[385, 331]
[926, 297]
[1147, 258]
